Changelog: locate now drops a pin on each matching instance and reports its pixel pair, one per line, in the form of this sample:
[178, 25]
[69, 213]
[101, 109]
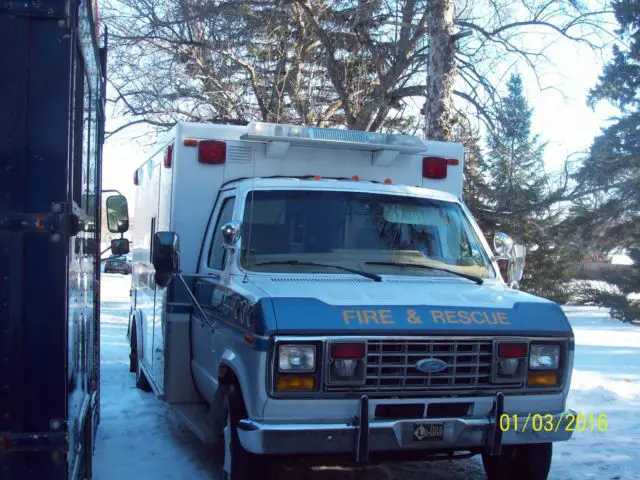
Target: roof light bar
[333, 137]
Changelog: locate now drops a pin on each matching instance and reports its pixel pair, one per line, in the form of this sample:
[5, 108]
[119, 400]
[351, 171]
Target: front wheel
[238, 464]
[526, 462]
[134, 362]
[141, 379]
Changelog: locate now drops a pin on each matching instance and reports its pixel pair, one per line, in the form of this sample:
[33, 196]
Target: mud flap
[494, 441]
[217, 415]
[362, 431]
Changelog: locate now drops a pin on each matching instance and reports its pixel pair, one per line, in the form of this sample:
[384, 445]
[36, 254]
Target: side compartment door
[163, 223]
[210, 292]
[146, 296]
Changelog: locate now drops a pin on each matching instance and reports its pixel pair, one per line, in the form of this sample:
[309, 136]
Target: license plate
[428, 431]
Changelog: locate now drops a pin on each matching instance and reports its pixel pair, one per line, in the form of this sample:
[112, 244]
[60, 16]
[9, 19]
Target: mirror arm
[194, 301]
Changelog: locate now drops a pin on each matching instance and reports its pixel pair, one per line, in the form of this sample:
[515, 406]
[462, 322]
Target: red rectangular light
[434, 167]
[347, 350]
[512, 350]
[168, 156]
[212, 152]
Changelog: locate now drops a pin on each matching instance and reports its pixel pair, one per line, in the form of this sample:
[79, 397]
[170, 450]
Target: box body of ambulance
[337, 284]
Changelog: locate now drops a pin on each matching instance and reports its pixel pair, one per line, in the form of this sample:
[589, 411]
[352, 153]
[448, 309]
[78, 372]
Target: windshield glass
[353, 228]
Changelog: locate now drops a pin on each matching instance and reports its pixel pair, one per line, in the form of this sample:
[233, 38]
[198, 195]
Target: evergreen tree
[516, 167]
[520, 198]
[612, 171]
[475, 187]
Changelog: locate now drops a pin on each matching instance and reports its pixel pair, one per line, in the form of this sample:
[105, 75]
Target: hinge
[56, 223]
[57, 438]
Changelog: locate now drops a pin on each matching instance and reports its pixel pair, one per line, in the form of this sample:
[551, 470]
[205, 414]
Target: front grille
[391, 366]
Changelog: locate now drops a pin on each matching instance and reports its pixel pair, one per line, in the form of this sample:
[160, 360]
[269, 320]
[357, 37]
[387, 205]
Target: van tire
[133, 351]
[526, 462]
[244, 465]
[141, 379]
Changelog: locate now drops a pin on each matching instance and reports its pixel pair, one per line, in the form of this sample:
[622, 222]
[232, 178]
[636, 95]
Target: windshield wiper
[372, 276]
[473, 278]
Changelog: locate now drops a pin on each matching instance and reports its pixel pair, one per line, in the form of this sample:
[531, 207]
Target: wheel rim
[227, 446]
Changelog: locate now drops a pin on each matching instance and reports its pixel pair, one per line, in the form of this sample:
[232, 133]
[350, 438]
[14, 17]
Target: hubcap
[227, 446]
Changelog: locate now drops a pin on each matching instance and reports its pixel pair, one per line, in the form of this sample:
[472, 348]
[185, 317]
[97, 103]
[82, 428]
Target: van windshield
[378, 233]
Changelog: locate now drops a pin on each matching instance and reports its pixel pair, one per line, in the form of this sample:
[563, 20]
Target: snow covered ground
[140, 437]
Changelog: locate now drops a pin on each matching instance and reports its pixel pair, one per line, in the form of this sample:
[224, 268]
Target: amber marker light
[542, 379]
[296, 383]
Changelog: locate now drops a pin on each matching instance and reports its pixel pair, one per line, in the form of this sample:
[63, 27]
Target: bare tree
[360, 64]
[439, 116]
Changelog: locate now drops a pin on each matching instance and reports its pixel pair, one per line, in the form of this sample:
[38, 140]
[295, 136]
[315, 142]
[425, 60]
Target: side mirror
[516, 264]
[119, 246]
[502, 244]
[117, 214]
[230, 233]
[165, 256]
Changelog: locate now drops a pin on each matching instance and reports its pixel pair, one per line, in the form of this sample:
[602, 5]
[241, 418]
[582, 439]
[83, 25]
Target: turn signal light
[295, 383]
[542, 379]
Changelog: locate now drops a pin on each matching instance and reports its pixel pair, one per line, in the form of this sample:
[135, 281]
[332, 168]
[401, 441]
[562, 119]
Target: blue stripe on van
[306, 316]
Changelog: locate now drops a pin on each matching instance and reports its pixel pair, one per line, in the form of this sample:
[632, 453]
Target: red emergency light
[347, 350]
[434, 167]
[212, 152]
[512, 350]
[168, 156]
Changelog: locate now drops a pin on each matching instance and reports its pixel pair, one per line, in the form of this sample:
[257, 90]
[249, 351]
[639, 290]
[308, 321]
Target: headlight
[544, 357]
[296, 358]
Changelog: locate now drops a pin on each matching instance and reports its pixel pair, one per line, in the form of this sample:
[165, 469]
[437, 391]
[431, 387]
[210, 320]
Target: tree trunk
[441, 71]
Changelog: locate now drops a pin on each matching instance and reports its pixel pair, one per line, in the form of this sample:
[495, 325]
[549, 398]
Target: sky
[561, 116]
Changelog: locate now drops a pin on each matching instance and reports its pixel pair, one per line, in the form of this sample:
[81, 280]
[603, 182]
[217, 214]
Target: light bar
[334, 137]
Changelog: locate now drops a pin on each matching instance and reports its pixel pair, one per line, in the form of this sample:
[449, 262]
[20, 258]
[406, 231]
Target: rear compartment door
[163, 223]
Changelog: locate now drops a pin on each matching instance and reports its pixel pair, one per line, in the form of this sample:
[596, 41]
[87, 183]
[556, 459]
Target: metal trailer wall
[51, 131]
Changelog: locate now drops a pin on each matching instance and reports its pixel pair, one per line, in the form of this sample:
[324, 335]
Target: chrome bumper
[360, 437]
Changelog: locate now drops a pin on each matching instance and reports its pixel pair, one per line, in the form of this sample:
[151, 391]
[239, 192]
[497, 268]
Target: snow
[606, 380]
[621, 260]
[141, 437]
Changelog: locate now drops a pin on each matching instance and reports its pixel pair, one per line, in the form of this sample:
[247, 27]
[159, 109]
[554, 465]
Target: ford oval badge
[431, 365]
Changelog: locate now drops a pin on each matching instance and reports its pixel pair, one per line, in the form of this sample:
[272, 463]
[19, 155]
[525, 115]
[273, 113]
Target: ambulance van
[325, 294]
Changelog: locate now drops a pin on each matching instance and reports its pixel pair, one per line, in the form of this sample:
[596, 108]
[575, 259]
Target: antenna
[253, 183]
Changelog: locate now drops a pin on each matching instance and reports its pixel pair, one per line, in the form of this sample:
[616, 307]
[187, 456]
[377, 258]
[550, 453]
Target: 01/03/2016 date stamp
[540, 422]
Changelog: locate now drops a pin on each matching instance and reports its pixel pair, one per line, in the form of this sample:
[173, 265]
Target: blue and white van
[301, 291]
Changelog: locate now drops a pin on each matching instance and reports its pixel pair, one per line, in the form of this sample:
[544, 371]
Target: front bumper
[360, 437]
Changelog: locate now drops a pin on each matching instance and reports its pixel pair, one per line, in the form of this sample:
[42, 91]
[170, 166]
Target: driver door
[210, 291]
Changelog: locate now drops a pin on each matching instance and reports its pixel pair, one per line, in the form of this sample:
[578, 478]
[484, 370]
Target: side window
[216, 253]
